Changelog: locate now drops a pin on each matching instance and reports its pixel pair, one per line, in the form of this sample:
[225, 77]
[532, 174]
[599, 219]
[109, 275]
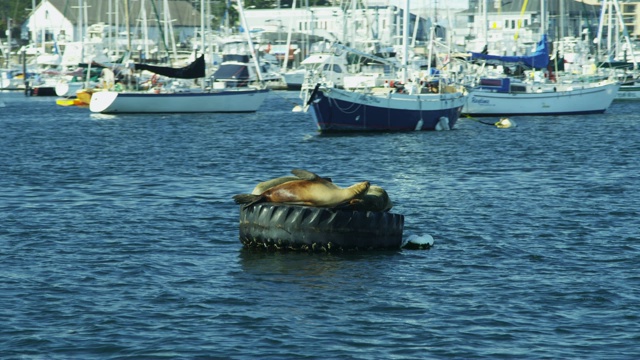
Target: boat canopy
[234, 72]
[192, 71]
[539, 59]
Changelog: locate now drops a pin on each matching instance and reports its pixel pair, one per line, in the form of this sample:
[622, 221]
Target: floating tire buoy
[274, 226]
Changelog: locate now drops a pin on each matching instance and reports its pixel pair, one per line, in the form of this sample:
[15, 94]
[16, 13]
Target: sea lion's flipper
[305, 175]
[308, 175]
[248, 199]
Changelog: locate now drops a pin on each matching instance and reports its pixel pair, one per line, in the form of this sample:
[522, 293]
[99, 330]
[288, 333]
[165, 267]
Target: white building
[510, 27]
[60, 21]
[377, 23]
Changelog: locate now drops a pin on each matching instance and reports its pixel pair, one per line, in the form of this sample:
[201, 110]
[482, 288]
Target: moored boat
[538, 91]
[629, 92]
[412, 102]
[227, 93]
[321, 61]
[502, 97]
[386, 109]
[84, 95]
[245, 100]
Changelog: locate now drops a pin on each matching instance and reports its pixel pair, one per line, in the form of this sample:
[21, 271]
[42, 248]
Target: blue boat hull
[337, 110]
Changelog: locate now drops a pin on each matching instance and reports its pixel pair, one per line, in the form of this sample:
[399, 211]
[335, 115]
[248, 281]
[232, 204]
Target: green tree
[17, 11]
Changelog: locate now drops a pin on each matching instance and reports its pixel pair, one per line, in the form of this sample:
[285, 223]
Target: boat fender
[313, 94]
[443, 124]
[505, 123]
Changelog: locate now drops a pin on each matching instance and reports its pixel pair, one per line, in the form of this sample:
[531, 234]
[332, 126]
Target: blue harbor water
[119, 238]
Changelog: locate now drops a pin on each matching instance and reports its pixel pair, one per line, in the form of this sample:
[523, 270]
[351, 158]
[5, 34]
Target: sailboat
[321, 59]
[223, 94]
[616, 51]
[423, 104]
[159, 99]
[538, 91]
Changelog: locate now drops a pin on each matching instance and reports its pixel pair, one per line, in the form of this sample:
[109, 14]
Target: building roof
[181, 12]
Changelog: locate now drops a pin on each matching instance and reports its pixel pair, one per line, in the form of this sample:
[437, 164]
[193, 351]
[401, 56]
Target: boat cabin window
[332, 67]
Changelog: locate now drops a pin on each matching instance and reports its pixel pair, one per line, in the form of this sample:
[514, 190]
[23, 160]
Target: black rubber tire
[290, 227]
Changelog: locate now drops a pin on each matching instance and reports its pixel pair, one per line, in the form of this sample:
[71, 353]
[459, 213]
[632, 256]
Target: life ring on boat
[272, 226]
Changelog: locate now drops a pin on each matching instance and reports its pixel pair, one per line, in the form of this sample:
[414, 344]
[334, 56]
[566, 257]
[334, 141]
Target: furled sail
[539, 59]
[192, 71]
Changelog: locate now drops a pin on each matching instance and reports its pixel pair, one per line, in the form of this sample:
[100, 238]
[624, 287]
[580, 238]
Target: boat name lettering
[476, 100]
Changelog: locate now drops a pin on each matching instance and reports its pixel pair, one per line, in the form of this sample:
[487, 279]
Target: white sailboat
[220, 96]
[618, 51]
[540, 92]
[227, 92]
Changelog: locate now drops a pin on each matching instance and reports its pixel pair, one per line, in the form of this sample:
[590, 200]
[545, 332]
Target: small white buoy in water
[297, 108]
[418, 242]
[504, 123]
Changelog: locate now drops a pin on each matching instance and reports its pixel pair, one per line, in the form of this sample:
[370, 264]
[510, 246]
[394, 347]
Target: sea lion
[301, 174]
[266, 185]
[375, 199]
[310, 189]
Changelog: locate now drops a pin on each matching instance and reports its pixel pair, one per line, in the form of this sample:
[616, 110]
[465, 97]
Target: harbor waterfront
[120, 238]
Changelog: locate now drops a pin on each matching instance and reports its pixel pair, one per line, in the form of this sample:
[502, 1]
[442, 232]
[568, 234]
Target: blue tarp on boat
[539, 59]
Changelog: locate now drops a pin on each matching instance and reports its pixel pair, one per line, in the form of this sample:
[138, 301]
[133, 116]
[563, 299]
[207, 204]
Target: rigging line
[346, 110]
[284, 98]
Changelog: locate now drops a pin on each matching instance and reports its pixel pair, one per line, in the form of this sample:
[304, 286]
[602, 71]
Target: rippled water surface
[119, 238]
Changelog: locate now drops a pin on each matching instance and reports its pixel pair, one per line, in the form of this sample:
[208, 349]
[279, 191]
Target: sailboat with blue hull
[384, 109]
[409, 104]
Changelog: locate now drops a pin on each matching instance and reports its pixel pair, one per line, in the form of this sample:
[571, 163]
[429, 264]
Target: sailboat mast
[625, 32]
[286, 53]
[485, 23]
[543, 20]
[405, 42]
[127, 25]
[251, 48]
[109, 27]
[202, 14]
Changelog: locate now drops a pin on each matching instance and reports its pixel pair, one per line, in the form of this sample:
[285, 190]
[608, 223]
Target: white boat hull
[244, 100]
[294, 79]
[67, 88]
[574, 99]
[629, 93]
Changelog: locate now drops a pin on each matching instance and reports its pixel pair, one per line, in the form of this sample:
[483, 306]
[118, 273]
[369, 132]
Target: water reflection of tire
[291, 227]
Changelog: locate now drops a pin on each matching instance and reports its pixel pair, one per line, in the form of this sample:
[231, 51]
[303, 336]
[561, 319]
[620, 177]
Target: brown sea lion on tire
[310, 189]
